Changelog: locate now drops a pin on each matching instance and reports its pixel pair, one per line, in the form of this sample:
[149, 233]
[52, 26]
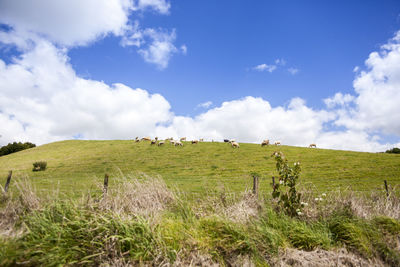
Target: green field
[77, 166]
[144, 223]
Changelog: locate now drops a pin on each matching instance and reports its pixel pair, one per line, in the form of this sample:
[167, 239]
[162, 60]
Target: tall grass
[142, 222]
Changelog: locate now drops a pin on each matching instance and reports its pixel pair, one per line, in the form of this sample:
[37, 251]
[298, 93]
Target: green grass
[76, 166]
[67, 233]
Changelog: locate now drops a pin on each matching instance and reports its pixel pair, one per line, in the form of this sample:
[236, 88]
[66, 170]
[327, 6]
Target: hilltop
[74, 166]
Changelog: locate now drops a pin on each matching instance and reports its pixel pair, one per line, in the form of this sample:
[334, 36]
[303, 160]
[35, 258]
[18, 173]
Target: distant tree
[15, 147]
[394, 150]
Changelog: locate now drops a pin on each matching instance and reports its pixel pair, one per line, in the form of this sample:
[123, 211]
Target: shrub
[15, 147]
[39, 166]
[394, 150]
[285, 189]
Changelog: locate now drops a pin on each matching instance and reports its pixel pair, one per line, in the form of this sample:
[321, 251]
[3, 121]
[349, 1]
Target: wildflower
[320, 199]
[297, 210]
[316, 199]
[281, 182]
[299, 213]
[296, 163]
[323, 194]
[304, 204]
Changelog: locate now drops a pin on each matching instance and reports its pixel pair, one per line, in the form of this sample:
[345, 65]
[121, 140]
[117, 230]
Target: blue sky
[303, 72]
[325, 40]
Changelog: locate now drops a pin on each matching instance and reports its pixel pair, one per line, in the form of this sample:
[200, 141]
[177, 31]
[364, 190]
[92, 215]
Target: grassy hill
[143, 223]
[76, 166]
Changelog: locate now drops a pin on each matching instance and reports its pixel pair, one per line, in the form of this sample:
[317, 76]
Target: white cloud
[280, 62]
[67, 23]
[156, 45]
[160, 6]
[42, 100]
[184, 49]
[75, 23]
[293, 71]
[351, 140]
[339, 100]
[272, 67]
[205, 104]
[378, 93]
[265, 67]
[161, 48]
[133, 36]
[252, 119]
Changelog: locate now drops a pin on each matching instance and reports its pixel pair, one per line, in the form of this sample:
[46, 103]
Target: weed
[285, 190]
[39, 166]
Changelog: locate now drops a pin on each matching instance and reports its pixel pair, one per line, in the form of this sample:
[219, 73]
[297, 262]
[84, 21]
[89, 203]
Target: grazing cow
[234, 144]
[137, 139]
[161, 143]
[178, 143]
[183, 139]
[153, 142]
[265, 142]
[226, 140]
[277, 143]
[156, 138]
[313, 145]
[146, 138]
[195, 142]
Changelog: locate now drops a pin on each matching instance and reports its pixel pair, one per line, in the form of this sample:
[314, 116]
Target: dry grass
[194, 258]
[319, 257]
[364, 205]
[239, 208]
[14, 207]
[146, 197]
[246, 208]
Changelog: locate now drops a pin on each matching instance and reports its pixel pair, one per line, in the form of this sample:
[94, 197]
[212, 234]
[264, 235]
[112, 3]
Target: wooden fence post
[8, 182]
[255, 185]
[273, 183]
[105, 189]
[386, 188]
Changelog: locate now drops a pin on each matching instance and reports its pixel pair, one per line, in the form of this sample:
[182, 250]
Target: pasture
[171, 206]
[74, 166]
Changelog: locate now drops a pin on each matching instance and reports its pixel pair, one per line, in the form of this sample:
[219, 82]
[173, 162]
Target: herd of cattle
[173, 142]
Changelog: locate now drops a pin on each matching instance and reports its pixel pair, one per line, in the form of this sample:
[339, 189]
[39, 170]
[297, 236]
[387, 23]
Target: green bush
[285, 189]
[39, 166]
[15, 147]
[394, 150]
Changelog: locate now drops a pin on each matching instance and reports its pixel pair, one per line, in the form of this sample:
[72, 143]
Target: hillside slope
[76, 166]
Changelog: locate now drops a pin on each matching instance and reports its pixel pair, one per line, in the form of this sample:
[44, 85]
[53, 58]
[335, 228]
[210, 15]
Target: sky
[301, 72]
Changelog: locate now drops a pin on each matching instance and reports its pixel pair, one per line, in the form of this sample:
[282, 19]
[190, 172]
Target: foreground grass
[157, 226]
[76, 166]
